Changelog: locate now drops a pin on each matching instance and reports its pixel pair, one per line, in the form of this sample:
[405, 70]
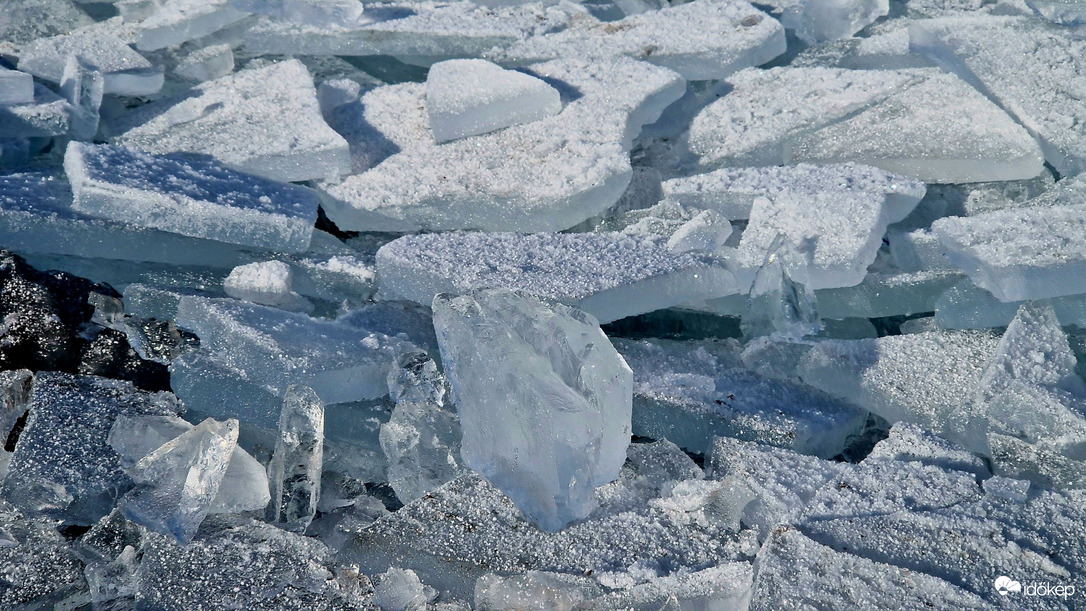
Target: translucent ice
[15, 87]
[726, 586]
[237, 119]
[533, 590]
[607, 275]
[732, 191]
[750, 125]
[82, 85]
[63, 465]
[189, 195]
[781, 303]
[295, 468]
[941, 131]
[206, 64]
[340, 13]
[467, 97]
[266, 283]
[40, 567]
[178, 21]
[547, 175]
[700, 40]
[680, 228]
[176, 483]
[47, 115]
[567, 428]
[1022, 64]
[126, 72]
[821, 20]
[401, 590]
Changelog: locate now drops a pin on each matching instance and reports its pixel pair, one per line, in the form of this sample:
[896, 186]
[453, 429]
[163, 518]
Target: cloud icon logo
[1005, 585]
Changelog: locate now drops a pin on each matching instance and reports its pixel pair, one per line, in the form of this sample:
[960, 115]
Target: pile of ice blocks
[494, 304]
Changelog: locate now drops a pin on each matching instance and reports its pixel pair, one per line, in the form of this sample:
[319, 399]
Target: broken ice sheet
[567, 430]
[310, 12]
[15, 87]
[468, 97]
[689, 393]
[176, 21]
[190, 195]
[751, 123]
[725, 586]
[266, 283]
[47, 115]
[63, 465]
[732, 191]
[177, 482]
[608, 275]
[911, 442]
[781, 302]
[295, 468]
[38, 564]
[705, 40]
[237, 119]
[821, 20]
[940, 131]
[533, 589]
[126, 72]
[1032, 69]
[547, 175]
[207, 63]
[27, 20]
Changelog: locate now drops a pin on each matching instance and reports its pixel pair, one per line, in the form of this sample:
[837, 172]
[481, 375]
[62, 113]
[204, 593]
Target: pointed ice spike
[178, 482]
[295, 468]
[781, 303]
[82, 85]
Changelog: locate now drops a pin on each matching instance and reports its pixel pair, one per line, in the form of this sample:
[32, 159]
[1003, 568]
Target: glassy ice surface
[207, 63]
[15, 87]
[215, 119]
[82, 84]
[189, 195]
[176, 21]
[781, 303]
[467, 97]
[295, 468]
[567, 430]
[605, 274]
[340, 13]
[126, 72]
[821, 20]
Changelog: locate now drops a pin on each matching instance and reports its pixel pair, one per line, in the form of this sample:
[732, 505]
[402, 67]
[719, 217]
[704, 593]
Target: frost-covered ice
[940, 131]
[468, 97]
[547, 175]
[266, 283]
[83, 86]
[705, 40]
[1033, 70]
[295, 468]
[15, 87]
[28, 20]
[207, 63]
[177, 21]
[732, 191]
[911, 442]
[237, 119]
[607, 275]
[566, 429]
[309, 12]
[189, 195]
[821, 20]
[47, 115]
[126, 71]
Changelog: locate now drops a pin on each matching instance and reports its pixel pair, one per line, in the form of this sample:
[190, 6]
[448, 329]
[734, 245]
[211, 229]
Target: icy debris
[38, 564]
[468, 97]
[15, 87]
[244, 486]
[781, 303]
[910, 442]
[266, 283]
[176, 483]
[415, 378]
[726, 586]
[940, 131]
[820, 20]
[339, 13]
[689, 393]
[534, 590]
[782, 481]
[396, 318]
[190, 195]
[274, 348]
[680, 228]
[1032, 69]
[608, 275]
[15, 387]
[126, 72]
[295, 468]
[178, 21]
[700, 40]
[82, 85]
[47, 115]
[114, 582]
[467, 528]
[28, 20]
[567, 428]
[1021, 253]
[401, 590]
[765, 108]
[915, 250]
[732, 191]
[237, 119]
[247, 565]
[1008, 488]
[1018, 459]
[62, 465]
[795, 572]
[1062, 12]
[208, 63]
[547, 175]
[944, 370]
[651, 470]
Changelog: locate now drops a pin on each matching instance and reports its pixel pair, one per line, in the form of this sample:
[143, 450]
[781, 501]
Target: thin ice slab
[126, 72]
[610, 276]
[468, 97]
[46, 116]
[940, 131]
[238, 120]
[15, 87]
[700, 40]
[1034, 70]
[190, 195]
[547, 175]
[177, 21]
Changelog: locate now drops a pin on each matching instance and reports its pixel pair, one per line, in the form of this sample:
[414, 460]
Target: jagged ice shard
[295, 468]
[544, 399]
